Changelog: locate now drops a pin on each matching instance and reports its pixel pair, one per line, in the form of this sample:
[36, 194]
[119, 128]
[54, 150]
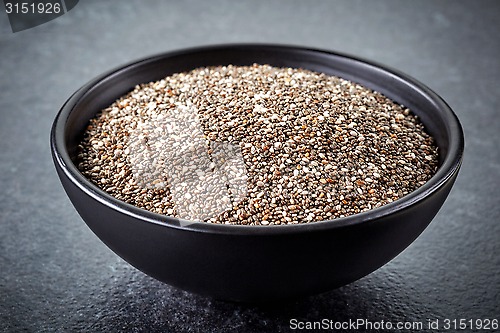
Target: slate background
[56, 276]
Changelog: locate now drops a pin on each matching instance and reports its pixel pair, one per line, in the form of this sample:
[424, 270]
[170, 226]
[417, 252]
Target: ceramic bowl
[257, 263]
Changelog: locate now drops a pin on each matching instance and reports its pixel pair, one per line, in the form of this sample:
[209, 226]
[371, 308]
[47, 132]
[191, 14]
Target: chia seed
[256, 145]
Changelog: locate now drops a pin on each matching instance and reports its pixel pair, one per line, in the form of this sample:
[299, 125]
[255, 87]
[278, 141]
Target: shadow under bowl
[256, 263]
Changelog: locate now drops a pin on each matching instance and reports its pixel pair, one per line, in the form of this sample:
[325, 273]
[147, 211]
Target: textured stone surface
[55, 275]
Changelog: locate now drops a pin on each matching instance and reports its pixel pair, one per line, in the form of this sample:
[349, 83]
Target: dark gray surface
[55, 275]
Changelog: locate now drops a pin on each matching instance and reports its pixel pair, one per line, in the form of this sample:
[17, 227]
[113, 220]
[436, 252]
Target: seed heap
[309, 147]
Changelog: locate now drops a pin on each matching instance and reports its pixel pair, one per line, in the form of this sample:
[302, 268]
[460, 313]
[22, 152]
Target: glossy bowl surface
[257, 263]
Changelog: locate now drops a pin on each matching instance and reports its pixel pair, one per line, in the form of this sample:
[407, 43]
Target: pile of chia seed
[256, 145]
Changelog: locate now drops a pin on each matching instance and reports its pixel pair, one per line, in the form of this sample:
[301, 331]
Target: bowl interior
[436, 116]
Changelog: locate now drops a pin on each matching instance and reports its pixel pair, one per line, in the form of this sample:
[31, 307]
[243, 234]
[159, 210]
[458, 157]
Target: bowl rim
[446, 171]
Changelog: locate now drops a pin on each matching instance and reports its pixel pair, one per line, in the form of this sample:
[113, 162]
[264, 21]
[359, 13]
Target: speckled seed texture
[256, 145]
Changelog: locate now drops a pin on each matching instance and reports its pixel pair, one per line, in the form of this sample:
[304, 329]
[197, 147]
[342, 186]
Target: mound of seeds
[256, 145]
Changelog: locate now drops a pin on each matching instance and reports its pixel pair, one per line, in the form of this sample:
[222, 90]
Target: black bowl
[257, 263]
